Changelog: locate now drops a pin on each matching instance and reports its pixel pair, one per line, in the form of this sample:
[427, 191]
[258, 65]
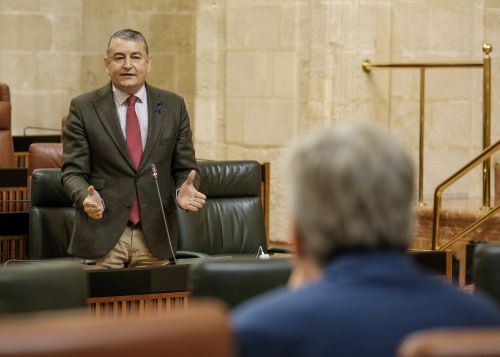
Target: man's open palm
[189, 198]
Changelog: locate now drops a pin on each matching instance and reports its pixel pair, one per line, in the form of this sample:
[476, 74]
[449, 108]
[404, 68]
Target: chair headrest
[45, 155]
[45, 285]
[487, 269]
[230, 178]
[47, 189]
[447, 342]
[4, 93]
[203, 329]
[234, 280]
[5, 116]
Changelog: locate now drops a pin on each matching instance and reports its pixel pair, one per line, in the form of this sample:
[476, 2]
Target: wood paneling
[121, 307]
[13, 247]
[13, 199]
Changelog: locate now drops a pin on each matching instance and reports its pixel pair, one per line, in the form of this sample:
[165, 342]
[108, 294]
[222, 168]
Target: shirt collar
[121, 97]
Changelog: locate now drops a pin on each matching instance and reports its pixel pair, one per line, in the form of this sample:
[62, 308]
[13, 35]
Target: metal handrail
[368, 65]
[486, 65]
[438, 195]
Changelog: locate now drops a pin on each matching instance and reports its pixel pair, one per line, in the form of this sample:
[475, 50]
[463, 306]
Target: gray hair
[351, 188]
[130, 35]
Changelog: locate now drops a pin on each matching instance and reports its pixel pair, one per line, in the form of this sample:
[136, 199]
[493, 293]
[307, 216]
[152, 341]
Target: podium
[118, 293]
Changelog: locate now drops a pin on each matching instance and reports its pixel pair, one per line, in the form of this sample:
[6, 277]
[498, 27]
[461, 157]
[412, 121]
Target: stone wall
[258, 74]
[53, 50]
[270, 71]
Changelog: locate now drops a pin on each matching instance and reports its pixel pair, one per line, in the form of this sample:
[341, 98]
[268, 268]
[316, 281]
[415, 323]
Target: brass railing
[438, 195]
[486, 65]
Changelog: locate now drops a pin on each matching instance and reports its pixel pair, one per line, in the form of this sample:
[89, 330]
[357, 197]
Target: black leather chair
[51, 216]
[40, 286]
[486, 269]
[234, 280]
[232, 221]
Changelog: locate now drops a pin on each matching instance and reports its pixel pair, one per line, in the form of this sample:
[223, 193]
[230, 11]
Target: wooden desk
[118, 293]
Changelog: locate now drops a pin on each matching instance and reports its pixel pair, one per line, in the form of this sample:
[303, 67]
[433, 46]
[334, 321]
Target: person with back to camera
[112, 137]
[351, 189]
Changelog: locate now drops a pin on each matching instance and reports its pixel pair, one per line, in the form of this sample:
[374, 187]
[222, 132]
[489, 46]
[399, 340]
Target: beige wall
[258, 74]
[53, 50]
[269, 71]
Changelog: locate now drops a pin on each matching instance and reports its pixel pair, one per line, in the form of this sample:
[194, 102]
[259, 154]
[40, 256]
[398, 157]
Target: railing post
[421, 140]
[436, 219]
[487, 48]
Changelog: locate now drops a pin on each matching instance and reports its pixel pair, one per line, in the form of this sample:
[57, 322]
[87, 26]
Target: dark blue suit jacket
[364, 305]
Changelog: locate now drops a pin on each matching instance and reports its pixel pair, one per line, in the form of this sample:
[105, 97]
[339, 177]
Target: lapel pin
[159, 107]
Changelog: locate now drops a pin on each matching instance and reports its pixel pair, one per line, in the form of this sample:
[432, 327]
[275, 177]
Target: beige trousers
[130, 251]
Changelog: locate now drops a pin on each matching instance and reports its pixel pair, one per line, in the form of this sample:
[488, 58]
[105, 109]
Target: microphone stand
[155, 176]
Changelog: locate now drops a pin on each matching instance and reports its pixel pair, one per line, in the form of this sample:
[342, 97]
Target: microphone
[155, 176]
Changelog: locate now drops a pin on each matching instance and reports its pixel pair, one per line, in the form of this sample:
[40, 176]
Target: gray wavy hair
[130, 35]
[351, 187]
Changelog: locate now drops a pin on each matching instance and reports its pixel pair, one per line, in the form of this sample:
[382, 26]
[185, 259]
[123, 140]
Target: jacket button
[129, 205]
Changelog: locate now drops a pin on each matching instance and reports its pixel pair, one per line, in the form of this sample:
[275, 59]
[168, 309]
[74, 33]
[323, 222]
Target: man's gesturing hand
[93, 204]
[188, 197]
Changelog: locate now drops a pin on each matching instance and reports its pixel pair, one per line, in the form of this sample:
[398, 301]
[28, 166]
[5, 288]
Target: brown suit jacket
[95, 153]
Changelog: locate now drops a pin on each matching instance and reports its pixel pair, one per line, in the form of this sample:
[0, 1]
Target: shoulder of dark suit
[163, 93]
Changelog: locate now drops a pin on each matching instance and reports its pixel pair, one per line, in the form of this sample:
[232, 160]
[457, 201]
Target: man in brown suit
[113, 136]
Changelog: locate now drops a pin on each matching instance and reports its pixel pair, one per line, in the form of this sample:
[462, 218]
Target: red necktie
[134, 143]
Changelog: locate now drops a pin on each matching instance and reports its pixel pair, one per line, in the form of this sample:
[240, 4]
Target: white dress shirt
[141, 109]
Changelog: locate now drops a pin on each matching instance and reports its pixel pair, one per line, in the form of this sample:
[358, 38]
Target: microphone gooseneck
[154, 172]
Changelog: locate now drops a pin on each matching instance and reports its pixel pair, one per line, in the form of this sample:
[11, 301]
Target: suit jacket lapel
[105, 107]
[155, 111]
